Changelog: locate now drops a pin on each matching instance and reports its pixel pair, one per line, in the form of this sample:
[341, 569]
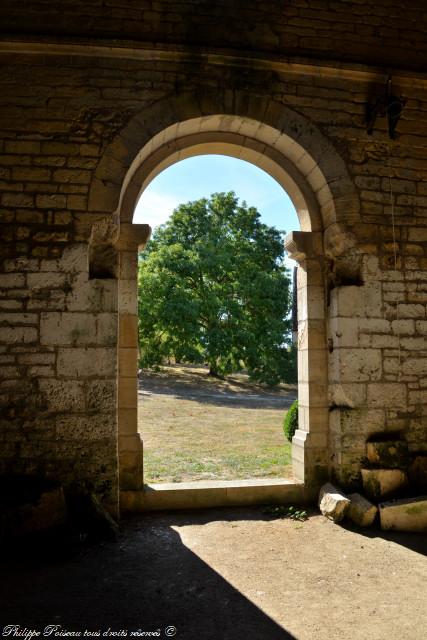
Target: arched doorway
[292, 151]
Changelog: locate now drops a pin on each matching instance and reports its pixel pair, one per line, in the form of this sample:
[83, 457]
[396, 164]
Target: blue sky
[201, 176]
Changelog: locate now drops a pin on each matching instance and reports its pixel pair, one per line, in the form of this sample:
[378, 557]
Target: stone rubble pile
[391, 480]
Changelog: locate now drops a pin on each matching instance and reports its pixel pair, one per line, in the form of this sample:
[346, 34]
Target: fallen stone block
[361, 511]
[418, 474]
[390, 454]
[332, 502]
[404, 515]
[382, 483]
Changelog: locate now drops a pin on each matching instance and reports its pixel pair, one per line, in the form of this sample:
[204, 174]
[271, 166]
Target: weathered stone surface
[332, 502]
[361, 511]
[70, 139]
[390, 454]
[381, 483]
[404, 515]
[417, 473]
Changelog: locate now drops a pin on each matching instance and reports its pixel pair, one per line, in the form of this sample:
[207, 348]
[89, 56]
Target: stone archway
[294, 152]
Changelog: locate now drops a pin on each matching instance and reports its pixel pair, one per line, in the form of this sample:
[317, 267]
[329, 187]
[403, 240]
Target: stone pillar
[132, 239]
[310, 442]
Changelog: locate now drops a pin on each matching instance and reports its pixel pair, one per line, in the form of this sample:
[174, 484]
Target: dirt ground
[195, 427]
[229, 574]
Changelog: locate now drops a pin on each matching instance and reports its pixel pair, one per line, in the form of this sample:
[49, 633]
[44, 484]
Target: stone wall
[61, 108]
[386, 32]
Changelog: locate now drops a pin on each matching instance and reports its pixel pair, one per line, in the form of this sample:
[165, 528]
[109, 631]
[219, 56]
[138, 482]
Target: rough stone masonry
[85, 87]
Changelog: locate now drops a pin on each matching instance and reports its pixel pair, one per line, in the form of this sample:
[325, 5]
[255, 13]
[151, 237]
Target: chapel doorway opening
[299, 174]
[217, 368]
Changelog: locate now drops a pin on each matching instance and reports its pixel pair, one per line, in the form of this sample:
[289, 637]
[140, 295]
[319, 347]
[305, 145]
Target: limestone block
[106, 328]
[404, 515]
[128, 297]
[347, 395]
[127, 393]
[361, 511]
[389, 394]
[381, 483]
[92, 295]
[356, 302]
[74, 258]
[418, 473]
[332, 503]
[338, 240]
[67, 328]
[18, 335]
[392, 454]
[101, 395]
[128, 330]
[84, 363]
[128, 360]
[355, 365]
[63, 395]
[128, 265]
[46, 280]
[12, 280]
[82, 429]
[344, 331]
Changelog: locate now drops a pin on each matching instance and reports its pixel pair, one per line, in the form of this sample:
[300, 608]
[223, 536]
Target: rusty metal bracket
[386, 106]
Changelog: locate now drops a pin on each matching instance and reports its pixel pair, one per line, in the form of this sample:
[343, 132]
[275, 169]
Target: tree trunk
[214, 373]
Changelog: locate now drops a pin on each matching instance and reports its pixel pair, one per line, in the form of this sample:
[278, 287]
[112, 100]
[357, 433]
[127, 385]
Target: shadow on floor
[148, 580]
[416, 542]
[220, 398]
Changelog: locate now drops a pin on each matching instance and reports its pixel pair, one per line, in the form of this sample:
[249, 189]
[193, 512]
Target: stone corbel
[133, 237]
[302, 245]
[108, 237]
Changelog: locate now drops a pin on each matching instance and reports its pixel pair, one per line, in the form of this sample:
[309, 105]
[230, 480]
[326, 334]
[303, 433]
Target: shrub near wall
[290, 422]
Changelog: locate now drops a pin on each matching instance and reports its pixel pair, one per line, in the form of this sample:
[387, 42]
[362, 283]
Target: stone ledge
[206, 494]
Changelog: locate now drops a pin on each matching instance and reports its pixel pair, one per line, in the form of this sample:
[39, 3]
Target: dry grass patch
[198, 428]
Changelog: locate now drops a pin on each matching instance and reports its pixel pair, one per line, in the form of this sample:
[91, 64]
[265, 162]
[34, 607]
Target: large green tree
[213, 289]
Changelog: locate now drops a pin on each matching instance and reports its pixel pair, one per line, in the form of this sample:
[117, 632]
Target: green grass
[198, 439]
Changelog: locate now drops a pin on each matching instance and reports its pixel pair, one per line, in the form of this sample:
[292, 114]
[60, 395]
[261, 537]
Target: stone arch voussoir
[307, 153]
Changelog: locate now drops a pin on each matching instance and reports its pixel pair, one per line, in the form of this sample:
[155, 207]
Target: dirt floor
[195, 427]
[231, 574]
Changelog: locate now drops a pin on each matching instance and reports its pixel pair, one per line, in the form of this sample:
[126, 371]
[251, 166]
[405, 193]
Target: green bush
[290, 423]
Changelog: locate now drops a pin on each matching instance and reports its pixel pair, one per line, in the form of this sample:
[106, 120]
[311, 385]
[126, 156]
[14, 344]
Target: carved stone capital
[133, 236]
[301, 245]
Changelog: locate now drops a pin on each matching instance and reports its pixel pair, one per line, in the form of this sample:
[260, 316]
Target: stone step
[204, 494]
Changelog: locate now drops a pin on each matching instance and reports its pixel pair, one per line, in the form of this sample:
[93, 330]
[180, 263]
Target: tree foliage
[213, 289]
